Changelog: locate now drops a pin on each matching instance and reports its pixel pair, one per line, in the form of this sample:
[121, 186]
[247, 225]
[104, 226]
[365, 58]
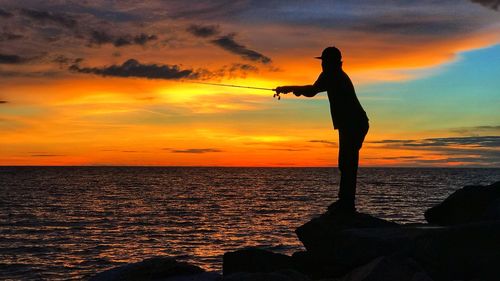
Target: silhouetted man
[348, 117]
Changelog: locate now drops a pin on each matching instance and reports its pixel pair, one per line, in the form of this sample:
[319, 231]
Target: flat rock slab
[357, 246]
[254, 260]
[319, 234]
[281, 275]
[157, 268]
[467, 205]
[390, 268]
[205, 276]
[462, 252]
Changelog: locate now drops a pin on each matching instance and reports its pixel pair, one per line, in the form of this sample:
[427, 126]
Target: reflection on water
[60, 223]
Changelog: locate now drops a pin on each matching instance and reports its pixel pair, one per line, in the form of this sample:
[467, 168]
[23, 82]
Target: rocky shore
[461, 241]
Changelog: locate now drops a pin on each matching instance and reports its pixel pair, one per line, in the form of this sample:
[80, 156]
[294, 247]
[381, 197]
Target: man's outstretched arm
[306, 91]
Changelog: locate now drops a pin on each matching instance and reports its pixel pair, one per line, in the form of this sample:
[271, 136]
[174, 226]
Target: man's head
[331, 58]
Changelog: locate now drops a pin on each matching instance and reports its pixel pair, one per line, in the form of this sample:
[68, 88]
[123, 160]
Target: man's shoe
[341, 207]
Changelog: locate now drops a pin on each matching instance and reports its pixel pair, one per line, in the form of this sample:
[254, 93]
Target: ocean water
[60, 223]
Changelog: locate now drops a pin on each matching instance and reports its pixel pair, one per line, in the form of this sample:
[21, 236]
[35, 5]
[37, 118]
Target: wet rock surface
[392, 268]
[319, 235]
[157, 268]
[254, 260]
[280, 275]
[461, 252]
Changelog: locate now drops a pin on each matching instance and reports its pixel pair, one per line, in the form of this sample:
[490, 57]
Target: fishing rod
[237, 86]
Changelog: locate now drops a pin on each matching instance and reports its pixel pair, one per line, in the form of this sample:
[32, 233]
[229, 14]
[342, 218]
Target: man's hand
[283, 90]
[286, 90]
[306, 90]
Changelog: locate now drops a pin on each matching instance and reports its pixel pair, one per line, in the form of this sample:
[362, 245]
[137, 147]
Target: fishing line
[235, 86]
[230, 85]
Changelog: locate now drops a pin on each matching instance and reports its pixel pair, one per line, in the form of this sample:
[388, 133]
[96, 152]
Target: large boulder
[280, 275]
[329, 238]
[316, 268]
[157, 268]
[254, 260]
[392, 268]
[462, 252]
[357, 246]
[466, 205]
[319, 235]
[205, 276]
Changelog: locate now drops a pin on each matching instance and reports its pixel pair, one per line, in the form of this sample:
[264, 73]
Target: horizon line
[208, 166]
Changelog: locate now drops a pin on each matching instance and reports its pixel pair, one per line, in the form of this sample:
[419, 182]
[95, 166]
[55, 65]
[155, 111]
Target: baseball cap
[330, 53]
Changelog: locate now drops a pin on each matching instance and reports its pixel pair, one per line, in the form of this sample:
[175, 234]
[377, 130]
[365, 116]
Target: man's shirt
[346, 111]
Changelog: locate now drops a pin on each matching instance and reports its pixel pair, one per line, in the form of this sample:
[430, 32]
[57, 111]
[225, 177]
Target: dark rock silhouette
[388, 268]
[280, 275]
[254, 260]
[319, 234]
[355, 247]
[469, 204]
[323, 238]
[157, 268]
[461, 252]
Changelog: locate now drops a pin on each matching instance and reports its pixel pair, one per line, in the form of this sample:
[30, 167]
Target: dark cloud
[30, 74]
[236, 70]
[8, 36]
[65, 61]
[476, 130]
[467, 161]
[243, 67]
[5, 14]
[492, 4]
[327, 142]
[287, 149]
[480, 141]
[121, 41]
[12, 59]
[395, 157]
[143, 38]
[133, 68]
[207, 9]
[203, 31]
[45, 17]
[412, 26]
[228, 43]
[483, 150]
[392, 141]
[488, 127]
[47, 155]
[196, 150]
[103, 12]
[3, 101]
[101, 37]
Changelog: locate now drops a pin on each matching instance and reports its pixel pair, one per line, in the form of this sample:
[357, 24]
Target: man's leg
[350, 142]
[348, 166]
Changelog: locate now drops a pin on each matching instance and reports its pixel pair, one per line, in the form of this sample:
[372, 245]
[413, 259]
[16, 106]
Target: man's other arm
[308, 90]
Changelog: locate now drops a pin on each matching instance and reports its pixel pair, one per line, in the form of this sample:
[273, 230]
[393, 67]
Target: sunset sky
[109, 82]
